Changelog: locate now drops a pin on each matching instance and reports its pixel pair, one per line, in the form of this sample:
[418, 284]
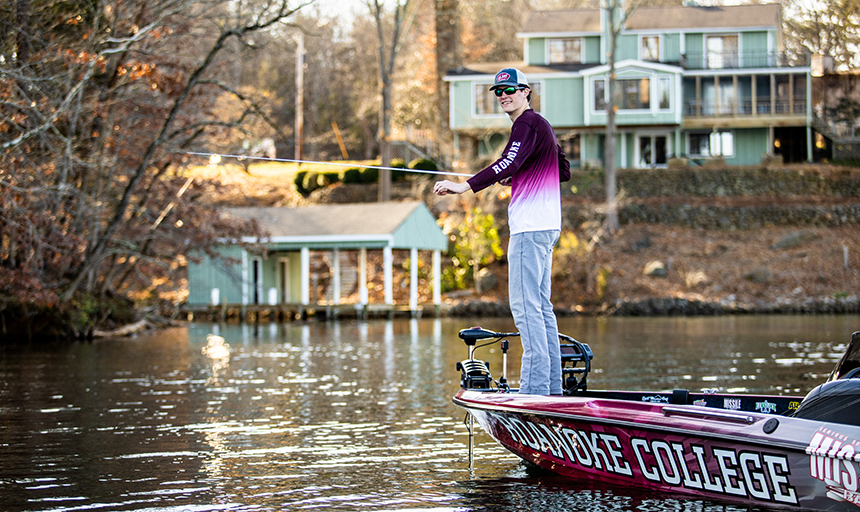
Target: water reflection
[341, 416]
[218, 351]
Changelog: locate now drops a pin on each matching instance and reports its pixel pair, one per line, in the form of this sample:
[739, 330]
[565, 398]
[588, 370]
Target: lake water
[345, 415]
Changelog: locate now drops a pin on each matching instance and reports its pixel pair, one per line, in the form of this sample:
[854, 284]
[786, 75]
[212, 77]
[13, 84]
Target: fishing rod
[290, 160]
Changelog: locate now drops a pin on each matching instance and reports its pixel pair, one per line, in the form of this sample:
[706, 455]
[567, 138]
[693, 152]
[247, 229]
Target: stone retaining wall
[735, 181]
[639, 187]
[720, 217]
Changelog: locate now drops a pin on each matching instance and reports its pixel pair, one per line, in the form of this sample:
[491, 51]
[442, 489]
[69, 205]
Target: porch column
[623, 160]
[245, 278]
[770, 140]
[387, 262]
[306, 275]
[335, 281]
[437, 277]
[413, 279]
[790, 94]
[809, 116]
[583, 156]
[362, 276]
[772, 94]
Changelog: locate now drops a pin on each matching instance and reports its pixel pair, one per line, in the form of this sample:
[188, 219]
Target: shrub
[327, 178]
[310, 182]
[369, 175]
[352, 175]
[299, 182]
[424, 163]
[398, 175]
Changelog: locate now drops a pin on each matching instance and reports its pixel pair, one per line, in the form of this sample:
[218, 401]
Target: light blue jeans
[529, 289]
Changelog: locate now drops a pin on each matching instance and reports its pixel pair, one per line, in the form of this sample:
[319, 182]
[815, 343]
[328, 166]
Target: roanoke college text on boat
[780, 451]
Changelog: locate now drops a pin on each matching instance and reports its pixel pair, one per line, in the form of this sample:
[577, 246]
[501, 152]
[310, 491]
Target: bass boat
[790, 452]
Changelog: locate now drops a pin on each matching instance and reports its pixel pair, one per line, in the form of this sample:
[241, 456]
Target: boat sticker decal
[834, 459]
[700, 403]
[677, 462]
[732, 404]
[656, 399]
[765, 407]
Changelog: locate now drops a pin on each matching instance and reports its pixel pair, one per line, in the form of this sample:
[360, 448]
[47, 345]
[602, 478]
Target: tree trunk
[387, 56]
[22, 40]
[448, 56]
[611, 143]
[385, 141]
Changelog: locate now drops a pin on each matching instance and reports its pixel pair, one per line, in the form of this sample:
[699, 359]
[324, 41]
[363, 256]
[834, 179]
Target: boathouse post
[413, 280]
[437, 277]
[306, 275]
[362, 277]
[243, 310]
[387, 263]
[335, 270]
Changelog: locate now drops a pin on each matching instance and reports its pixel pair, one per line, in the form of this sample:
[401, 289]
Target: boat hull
[749, 457]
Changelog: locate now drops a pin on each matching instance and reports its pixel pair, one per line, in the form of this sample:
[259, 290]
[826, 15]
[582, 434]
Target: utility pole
[300, 92]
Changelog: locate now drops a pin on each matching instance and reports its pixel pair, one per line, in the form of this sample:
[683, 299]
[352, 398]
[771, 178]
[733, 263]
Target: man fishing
[533, 164]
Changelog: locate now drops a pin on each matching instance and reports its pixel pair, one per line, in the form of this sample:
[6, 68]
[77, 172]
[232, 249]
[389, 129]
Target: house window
[665, 93]
[722, 52]
[653, 150]
[718, 98]
[486, 103]
[635, 94]
[712, 144]
[600, 95]
[571, 144]
[649, 48]
[565, 50]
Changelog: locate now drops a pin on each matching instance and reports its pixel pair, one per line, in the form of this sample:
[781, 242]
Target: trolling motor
[475, 374]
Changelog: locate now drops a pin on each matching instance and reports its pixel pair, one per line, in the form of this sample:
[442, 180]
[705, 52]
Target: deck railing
[743, 60]
[763, 107]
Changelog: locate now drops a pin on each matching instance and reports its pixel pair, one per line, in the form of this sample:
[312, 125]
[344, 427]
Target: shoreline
[674, 306]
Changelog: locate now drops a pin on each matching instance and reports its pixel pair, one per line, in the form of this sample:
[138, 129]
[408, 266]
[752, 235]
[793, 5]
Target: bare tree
[388, 50]
[615, 23]
[449, 55]
[828, 27]
[97, 117]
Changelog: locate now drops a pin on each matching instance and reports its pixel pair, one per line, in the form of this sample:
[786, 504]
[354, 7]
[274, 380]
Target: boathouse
[281, 275]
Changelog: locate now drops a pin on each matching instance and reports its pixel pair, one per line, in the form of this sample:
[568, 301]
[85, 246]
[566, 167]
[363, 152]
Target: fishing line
[289, 160]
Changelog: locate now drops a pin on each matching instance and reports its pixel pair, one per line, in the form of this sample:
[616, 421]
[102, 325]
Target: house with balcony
[692, 81]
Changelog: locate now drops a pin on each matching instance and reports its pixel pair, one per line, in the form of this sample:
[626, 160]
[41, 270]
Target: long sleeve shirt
[536, 165]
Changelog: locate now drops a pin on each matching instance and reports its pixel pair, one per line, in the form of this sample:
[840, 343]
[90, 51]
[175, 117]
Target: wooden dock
[298, 312]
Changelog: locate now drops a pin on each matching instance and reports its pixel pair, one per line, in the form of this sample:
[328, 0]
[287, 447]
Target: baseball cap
[509, 77]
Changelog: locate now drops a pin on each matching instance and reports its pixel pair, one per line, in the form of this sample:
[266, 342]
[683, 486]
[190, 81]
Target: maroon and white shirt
[536, 165]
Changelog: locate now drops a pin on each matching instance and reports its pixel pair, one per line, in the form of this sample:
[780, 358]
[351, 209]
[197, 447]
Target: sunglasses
[507, 90]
